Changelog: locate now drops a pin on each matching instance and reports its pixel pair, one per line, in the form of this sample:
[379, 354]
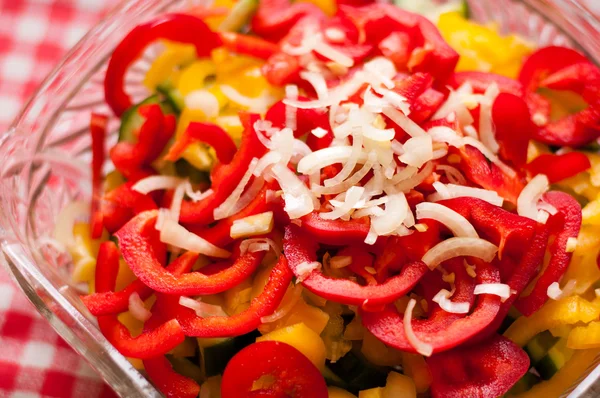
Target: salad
[338, 199]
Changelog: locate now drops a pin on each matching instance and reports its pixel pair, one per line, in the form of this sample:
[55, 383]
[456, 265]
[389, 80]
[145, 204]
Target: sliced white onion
[203, 100]
[337, 262]
[454, 104]
[403, 174]
[306, 268]
[498, 289]
[571, 245]
[177, 200]
[420, 346]
[249, 195]
[443, 299]
[547, 207]
[137, 308]
[317, 81]
[258, 104]
[368, 211]
[284, 310]
[257, 224]
[411, 128]
[397, 147]
[246, 245]
[382, 69]
[446, 135]
[394, 99]
[458, 191]
[203, 310]
[65, 221]
[349, 165]
[372, 102]
[196, 196]
[470, 131]
[226, 208]
[297, 197]
[456, 223]
[458, 247]
[396, 210]
[486, 125]
[555, 292]
[155, 183]
[176, 235]
[418, 151]
[291, 113]
[452, 173]
[319, 132]
[527, 202]
[409, 183]
[328, 156]
[353, 195]
[324, 49]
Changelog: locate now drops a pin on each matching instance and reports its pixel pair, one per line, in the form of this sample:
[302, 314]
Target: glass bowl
[46, 153]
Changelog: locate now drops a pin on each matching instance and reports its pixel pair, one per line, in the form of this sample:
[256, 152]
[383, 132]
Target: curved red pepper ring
[582, 78]
[480, 81]
[564, 225]
[507, 230]
[306, 119]
[336, 232]
[134, 159]
[361, 259]
[559, 167]
[208, 133]
[116, 302]
[442, 330]
[281, 69]
[182, 28]
[121, 204]
[225, 177]
[514, 127]
[248, 45]
[147, 345]
[299, 248]
[98, 131]
[274, 18]
[293, 374]
[488, 175]
[574, 130]
[138, 252]
[244, 322]
[546, 61]
[168, 381]
[487, 370]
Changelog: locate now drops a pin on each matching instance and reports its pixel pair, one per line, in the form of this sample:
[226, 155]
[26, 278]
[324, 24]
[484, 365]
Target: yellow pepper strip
[398, 385]
[84, 252]
[164, 66]
[583, 267]
[329, 7]
[416, 368]
[193, 77]
[313, 317]
[376, 392]
[583, 337]
[565, 377]
[237, 299]
[336, 392]
[566, 311]
[378, 353]
[333, 334]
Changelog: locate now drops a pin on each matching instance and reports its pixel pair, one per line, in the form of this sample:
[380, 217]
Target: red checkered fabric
[34, 361]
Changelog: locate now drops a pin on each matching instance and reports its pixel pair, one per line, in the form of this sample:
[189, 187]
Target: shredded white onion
[498, 289]
[411, 128]
[317, 81]
[137, 308]
[527, 202]
[452, 173]
[547, 207]
[258, 104]
[443, 299]
[417, 151]
[203, 310]
[177, 200]
[196, 196]
[155, 183]
[396, 211]
[555, 292]
[486, 125]
[291, 113]
[204, 101]
[421, 347]
[246, 245]
[409, 183]
[353, 196]
[315, 161]
[324, 49]
[176, 235]
[226, 208]
[457, 247]
[257, 224]
[319, 132]
[450, 191]
[299, 200]
[304, 269]
[456, 223]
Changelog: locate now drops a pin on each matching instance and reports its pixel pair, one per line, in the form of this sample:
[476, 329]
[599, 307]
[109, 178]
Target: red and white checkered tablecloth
[34, 361]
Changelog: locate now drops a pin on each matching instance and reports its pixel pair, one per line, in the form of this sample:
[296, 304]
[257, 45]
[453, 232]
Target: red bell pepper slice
[244, 322]
[546, 61]
[133, 159]
[480, 81]
[168, 381]
[182, 28]
[514, 128]
[225, 177]
[293, 375]
[426, 105]
[110, 302]
[574, 130]
[559, 167]
[487, 370]
[135, 241]
[361, 260]
[121, 204]
[336, 232]
[147, 345]
[582, 78]
[275, 18]
[208, 133]
[442, 330]
[488, 175]
[248, 45]
[396, 47]
[281, 69]
[98, 130]
[564, 225]
[299, 248]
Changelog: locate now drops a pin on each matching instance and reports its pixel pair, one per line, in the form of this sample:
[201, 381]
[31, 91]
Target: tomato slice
[281, 370]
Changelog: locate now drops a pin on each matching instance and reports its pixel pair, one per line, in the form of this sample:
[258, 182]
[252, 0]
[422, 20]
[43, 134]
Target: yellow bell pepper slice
[333, 334]
[336, 392]
[398, 385]
[583, 267]
[378, 353]
[166, 64]
[584, 337]
[197, 154]
[565, 377]
[302, 338]
[211, 388]
[84, 252]
[376, 392]
[591, 213]
[329, 7]
[313, 317]
[193, 77]
[566, 311]
[237, 299]
[416, 368]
